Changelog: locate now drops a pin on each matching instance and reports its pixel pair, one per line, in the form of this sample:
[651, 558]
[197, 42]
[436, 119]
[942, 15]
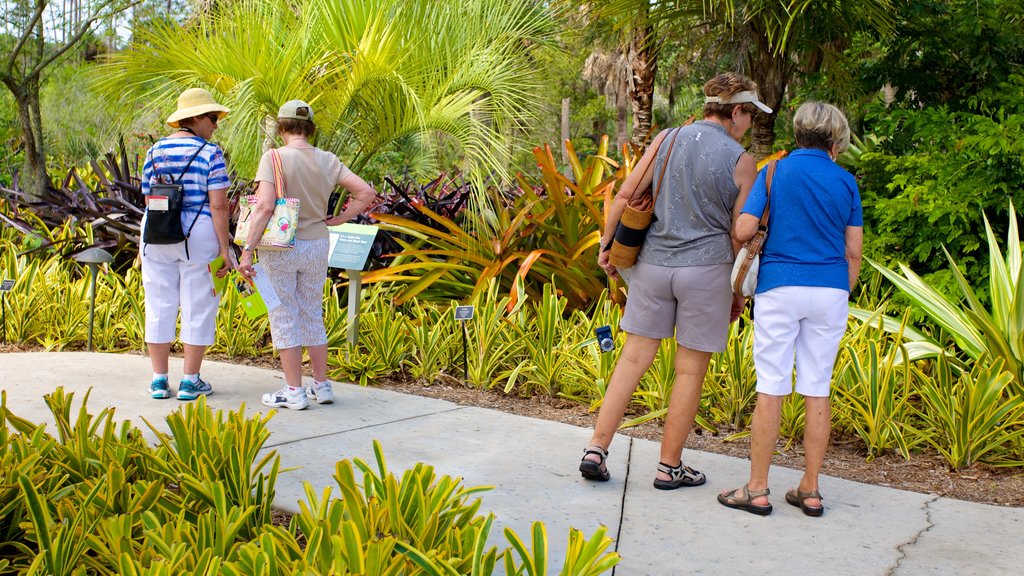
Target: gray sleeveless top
[694, 205]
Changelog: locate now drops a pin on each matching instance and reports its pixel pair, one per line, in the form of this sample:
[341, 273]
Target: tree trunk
[33, 176]
[643, 65]
[621, 114]
[771, 73]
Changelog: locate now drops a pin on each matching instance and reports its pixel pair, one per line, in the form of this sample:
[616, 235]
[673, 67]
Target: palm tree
[378, 72]
[778, 38]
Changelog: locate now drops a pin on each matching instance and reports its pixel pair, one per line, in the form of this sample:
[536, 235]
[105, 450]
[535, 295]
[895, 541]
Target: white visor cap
[739, 98]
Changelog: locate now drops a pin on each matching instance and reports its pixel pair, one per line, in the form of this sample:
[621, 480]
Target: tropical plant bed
[926, 472]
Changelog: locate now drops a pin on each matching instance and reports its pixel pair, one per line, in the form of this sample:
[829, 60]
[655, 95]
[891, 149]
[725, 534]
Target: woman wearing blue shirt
[176, 275]
[810, 263]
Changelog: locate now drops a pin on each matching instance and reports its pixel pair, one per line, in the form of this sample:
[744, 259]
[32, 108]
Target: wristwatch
[247, 248]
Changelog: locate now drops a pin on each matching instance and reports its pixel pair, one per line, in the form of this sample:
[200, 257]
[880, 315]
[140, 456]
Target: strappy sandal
[797, 497]
[678, 476]
[595, 470]
[742, 499]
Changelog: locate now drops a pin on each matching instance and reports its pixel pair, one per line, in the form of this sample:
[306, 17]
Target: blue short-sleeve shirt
[813, 200]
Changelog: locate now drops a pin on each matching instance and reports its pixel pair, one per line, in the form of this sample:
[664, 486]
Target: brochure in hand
[256, 297]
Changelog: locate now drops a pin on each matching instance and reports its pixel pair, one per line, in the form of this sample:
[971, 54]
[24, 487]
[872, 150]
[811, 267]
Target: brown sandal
[742, 499]
[797, 497]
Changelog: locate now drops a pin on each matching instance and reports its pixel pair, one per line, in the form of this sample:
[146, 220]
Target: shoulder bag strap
[185, 169]
[275, 163]
[668, 155]
[763, 225]
[188, 233]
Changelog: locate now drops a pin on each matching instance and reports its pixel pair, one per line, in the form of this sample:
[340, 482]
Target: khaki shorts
[692, 302]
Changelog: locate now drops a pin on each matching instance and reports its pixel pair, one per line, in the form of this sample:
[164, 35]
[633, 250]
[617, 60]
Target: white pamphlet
[265, 288]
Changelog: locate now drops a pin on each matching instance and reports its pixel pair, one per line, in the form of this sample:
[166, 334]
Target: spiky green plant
[996, 333]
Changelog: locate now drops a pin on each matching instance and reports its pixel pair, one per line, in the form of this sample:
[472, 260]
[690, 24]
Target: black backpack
[164, 226]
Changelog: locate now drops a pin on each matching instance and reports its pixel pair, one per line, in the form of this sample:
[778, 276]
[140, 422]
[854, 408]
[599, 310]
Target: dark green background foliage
[928, 175]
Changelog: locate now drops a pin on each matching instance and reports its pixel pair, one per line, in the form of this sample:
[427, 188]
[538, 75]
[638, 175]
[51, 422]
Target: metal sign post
[5, 287]
[355, 286]
[462, 315]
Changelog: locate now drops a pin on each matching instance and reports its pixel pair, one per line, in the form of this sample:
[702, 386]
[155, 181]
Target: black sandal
[595, 470]
[743, 499]
[678, 476]
[796, 497]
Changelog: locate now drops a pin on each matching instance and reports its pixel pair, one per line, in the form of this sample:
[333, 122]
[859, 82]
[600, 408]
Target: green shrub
[97, 499]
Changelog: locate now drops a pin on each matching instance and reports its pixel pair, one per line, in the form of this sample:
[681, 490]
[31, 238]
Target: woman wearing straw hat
[680, 283]
[298, 275]
[185, 183]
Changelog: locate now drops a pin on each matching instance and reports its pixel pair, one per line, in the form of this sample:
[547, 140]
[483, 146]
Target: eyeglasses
[212, 118]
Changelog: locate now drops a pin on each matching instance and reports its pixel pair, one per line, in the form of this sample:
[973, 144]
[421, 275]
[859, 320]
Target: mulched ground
[925, 472]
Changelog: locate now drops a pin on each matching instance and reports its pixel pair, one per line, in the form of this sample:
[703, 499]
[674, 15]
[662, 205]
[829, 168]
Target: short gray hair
[821, 125]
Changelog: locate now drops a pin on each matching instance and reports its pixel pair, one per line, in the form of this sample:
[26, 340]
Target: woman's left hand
[245, 267]
[334, 220]
[608, 267]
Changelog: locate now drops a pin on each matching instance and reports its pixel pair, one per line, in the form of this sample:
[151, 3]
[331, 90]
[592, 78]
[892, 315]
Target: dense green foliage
[927, 176]
[96, 498]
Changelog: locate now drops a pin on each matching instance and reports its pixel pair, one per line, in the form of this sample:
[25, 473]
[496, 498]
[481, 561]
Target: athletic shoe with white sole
[189, 390]
[286, 398]
[159, 389]
[321, 392]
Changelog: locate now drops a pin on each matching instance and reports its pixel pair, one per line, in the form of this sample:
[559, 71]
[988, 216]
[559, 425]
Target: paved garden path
[866, 530]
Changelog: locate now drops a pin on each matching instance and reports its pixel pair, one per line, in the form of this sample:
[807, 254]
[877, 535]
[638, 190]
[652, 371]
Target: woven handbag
[283, 224]
[636, 218]
[748, 260]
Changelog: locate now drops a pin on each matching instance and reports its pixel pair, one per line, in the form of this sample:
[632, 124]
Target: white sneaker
[285, 397]
[322, 392]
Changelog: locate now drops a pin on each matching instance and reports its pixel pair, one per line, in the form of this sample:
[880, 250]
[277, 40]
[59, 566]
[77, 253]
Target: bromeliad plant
[521, 240]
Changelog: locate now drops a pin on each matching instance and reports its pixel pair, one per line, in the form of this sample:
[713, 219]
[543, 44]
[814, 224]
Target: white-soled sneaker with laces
[286, 398]
[321, 392]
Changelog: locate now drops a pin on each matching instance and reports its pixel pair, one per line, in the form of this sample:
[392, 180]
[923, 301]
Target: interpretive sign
[350, 244]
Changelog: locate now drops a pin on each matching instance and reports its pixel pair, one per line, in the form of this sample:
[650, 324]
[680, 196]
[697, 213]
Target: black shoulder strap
[185, 169]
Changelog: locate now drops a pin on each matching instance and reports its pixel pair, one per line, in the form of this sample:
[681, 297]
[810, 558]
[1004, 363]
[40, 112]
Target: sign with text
[463, 313]
[350, 245]
[7, 285]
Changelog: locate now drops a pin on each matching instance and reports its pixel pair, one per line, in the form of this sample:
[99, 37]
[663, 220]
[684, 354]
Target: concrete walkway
[866, 530]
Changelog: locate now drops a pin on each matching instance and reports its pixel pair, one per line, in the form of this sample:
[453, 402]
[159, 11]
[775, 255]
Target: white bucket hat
[739, 98]
[195, 102]
[296, 110]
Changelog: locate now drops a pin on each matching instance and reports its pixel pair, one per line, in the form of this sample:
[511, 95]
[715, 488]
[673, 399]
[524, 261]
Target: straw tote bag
[283, 225]
[748, 261]
[636, 218]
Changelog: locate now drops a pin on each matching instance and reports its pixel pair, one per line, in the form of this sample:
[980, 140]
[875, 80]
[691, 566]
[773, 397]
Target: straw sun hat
[195, 102]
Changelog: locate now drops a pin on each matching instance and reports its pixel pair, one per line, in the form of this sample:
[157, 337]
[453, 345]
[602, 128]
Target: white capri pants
[171, 281]
[803, 321]
[298, 277]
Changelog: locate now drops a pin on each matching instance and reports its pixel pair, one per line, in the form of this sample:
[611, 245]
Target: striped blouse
[168, 157]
